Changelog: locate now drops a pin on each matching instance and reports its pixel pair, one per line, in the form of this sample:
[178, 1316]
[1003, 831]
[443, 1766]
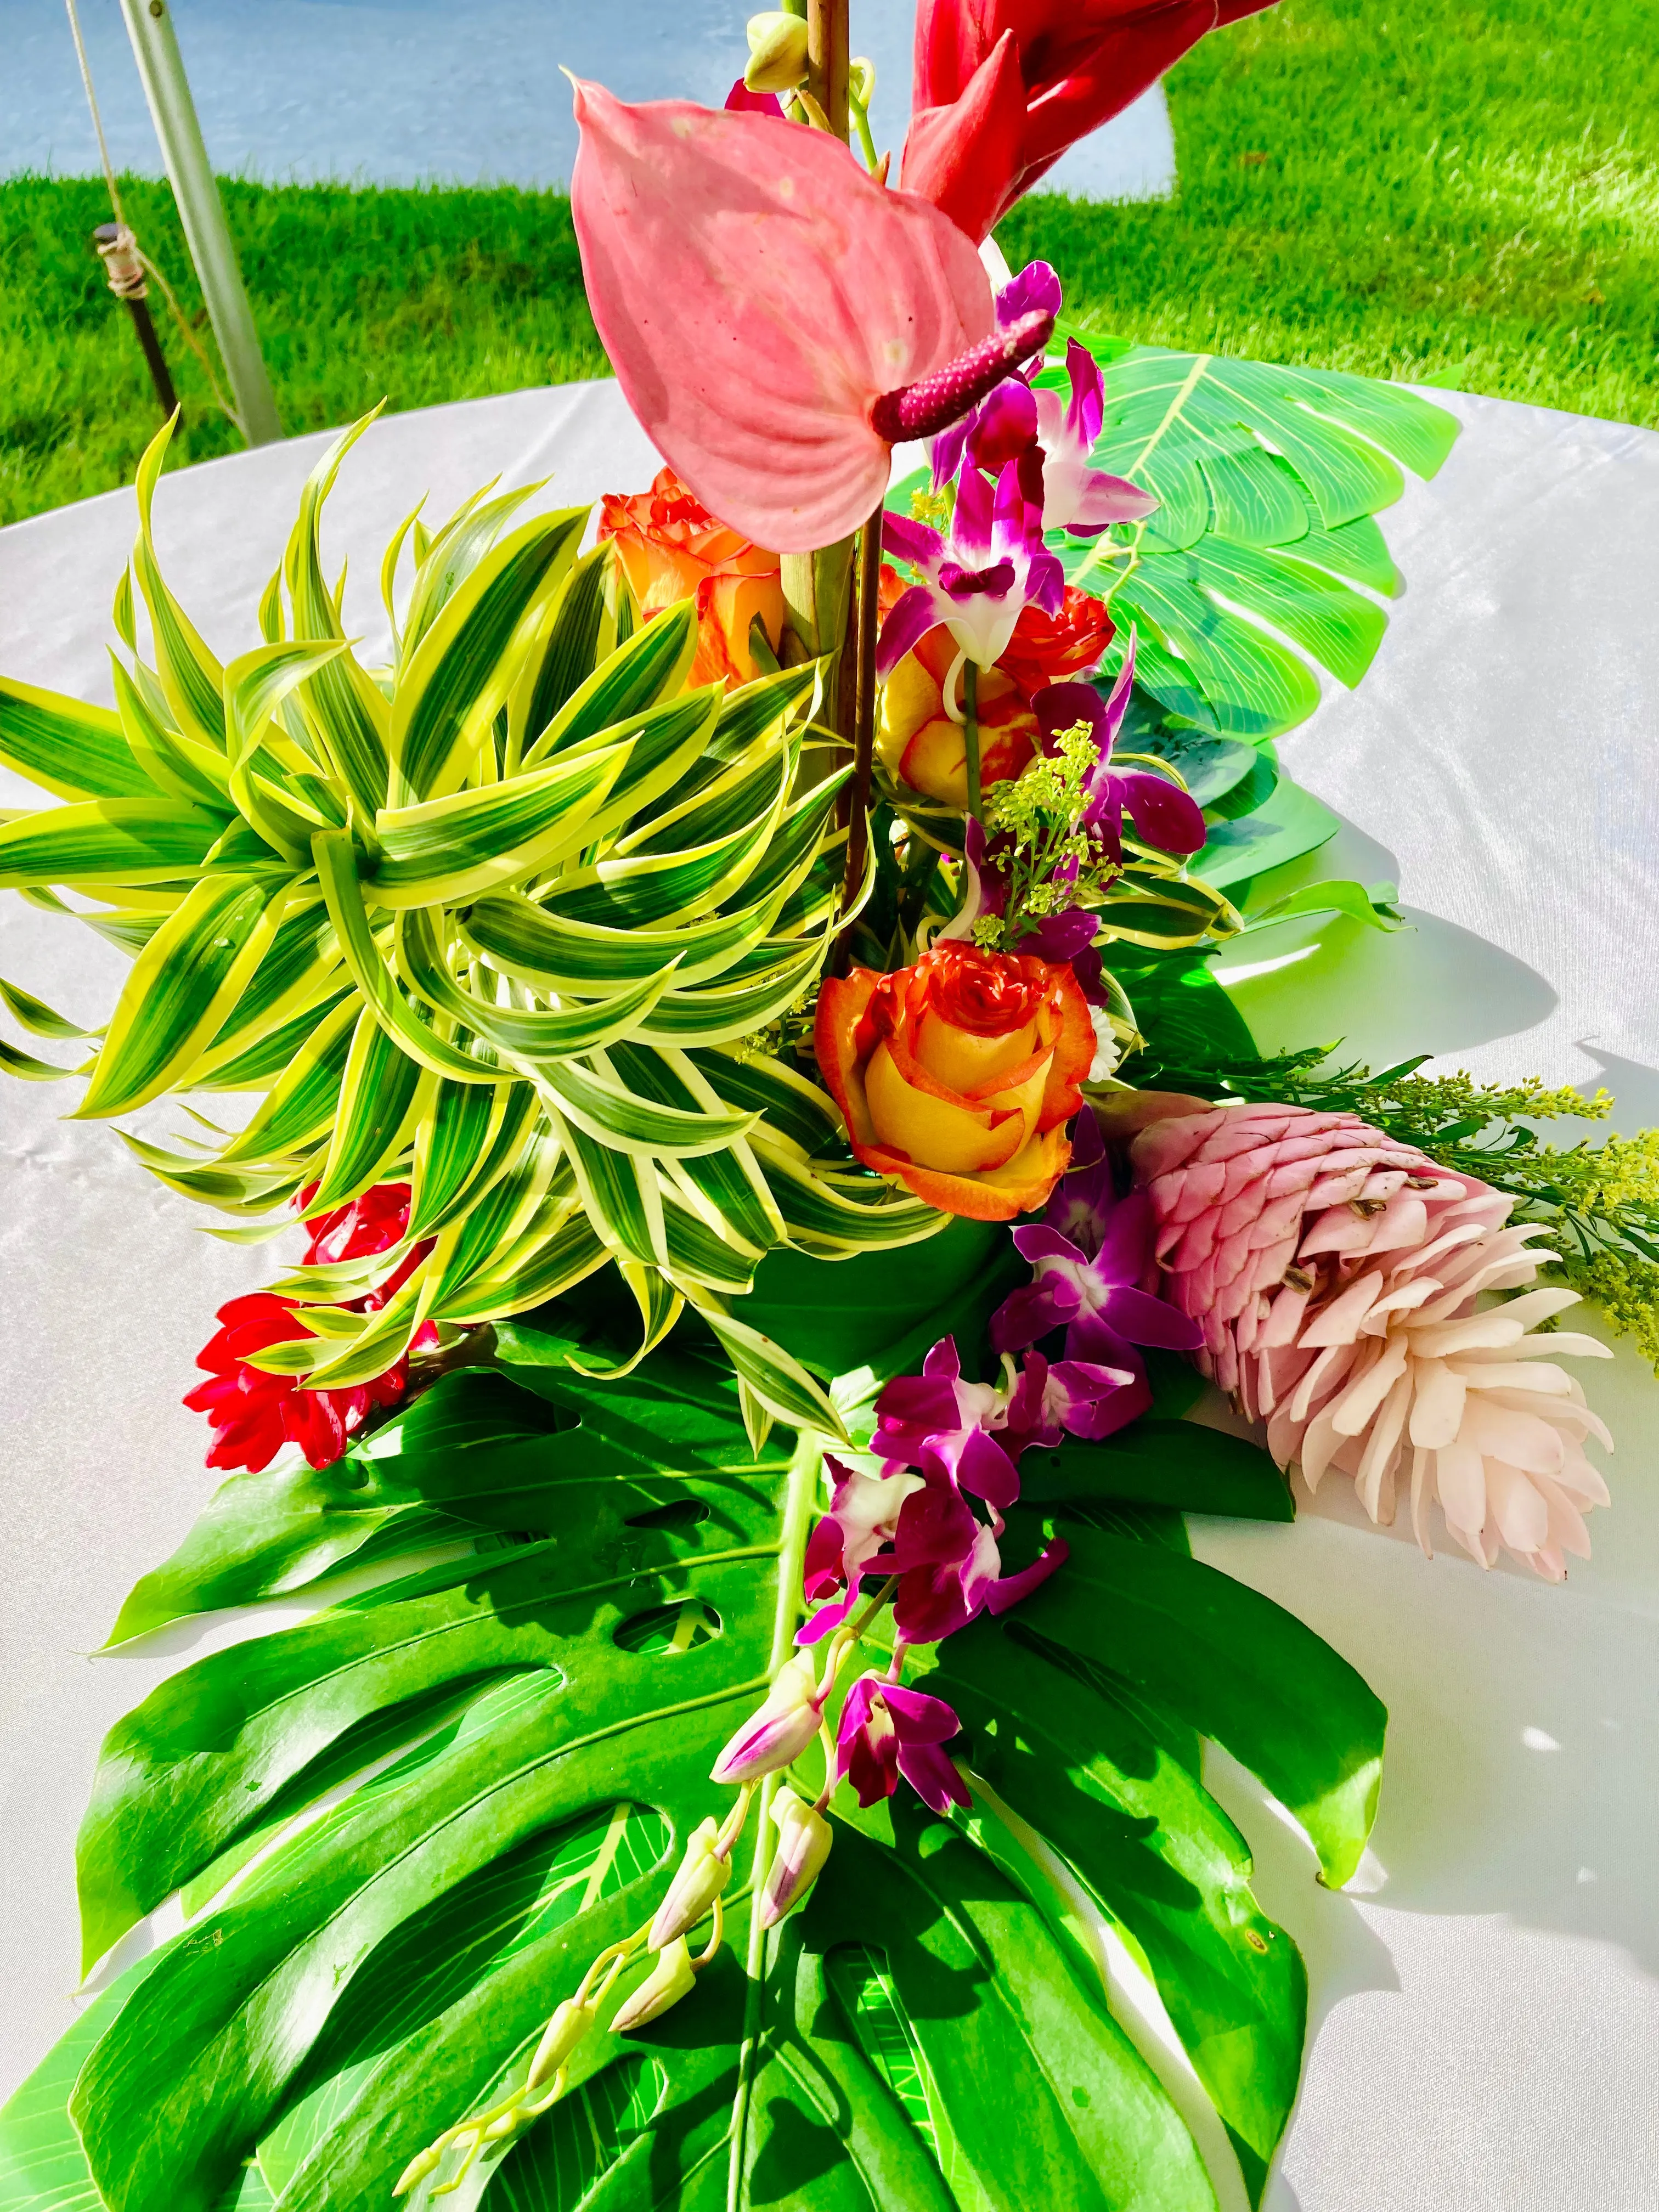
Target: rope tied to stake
[124, 265]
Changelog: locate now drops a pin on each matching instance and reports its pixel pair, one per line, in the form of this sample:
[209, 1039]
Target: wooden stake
[137, 307]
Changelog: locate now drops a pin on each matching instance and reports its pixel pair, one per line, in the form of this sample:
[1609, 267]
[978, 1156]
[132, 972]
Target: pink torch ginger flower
[777, 319]
[1338, 1276]
[887, 1731]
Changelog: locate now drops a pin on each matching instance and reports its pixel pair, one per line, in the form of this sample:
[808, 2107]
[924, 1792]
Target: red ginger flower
[1002, 88]
[254, 1414]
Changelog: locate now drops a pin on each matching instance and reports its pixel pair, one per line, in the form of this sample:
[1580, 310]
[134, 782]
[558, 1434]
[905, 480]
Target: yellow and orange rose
[957, 1077]
[921, 745]
[671, 548]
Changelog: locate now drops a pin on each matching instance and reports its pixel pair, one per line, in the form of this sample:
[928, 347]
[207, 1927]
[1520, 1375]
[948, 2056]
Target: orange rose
[1053, 648]
[671, 547]
[957, 1077]
[924, 748]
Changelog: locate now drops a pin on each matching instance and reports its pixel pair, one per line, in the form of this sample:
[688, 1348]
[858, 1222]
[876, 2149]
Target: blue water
[467, 91]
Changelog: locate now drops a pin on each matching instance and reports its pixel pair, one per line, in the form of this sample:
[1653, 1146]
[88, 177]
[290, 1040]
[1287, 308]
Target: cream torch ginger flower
[1341, 1279]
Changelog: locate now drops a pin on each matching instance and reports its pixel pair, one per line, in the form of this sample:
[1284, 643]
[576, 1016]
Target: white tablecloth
[1485, 1996]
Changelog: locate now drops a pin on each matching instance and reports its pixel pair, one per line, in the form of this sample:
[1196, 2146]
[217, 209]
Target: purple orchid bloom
[937, 1412]
[980, 580]
[920, 1526]
[1015, 416]
[1073, 1397]
[887, 1731]
[1088, 1281]
[1163, 814]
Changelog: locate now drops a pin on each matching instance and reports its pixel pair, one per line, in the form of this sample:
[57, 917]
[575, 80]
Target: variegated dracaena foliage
[496, 919]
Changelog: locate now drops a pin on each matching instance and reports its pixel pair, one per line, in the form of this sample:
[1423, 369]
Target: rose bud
[803, 1840]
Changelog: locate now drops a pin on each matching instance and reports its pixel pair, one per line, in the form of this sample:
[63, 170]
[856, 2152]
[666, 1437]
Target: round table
[1485, 1993]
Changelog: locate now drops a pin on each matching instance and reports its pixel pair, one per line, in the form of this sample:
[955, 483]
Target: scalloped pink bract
[757, 292]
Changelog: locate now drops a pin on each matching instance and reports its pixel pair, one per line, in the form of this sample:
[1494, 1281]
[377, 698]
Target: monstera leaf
[504, 920]
[400, 1830]
[1267, 479]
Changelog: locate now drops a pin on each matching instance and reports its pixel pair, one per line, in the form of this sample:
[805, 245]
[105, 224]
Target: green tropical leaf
[371, 1949]
[76, 751]
[183, 985]
[459, 671]
[1267, 479]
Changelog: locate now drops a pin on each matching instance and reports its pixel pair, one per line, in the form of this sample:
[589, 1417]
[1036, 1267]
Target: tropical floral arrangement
[730, 1004]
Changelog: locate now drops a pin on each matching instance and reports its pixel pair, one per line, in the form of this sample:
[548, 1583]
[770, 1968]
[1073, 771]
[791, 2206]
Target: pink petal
[757, 292]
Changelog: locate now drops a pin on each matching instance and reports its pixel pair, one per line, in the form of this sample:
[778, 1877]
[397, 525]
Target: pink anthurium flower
[777, 319]
[980, 580]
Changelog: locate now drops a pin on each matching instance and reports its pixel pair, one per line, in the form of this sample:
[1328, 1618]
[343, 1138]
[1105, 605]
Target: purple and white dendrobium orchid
[1091, 1255]
[980, 580]
[1017, 417]
[912, 1519]
[1163, 814]
[887, 1731]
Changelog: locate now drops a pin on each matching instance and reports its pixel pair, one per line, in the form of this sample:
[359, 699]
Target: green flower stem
[799, 1500]
[970, 738]
[861, 116]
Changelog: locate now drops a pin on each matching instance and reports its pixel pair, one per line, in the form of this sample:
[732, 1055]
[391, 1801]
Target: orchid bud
[416, 2172]
[702, 1875]
[777, 53]
[669, 1980]
[569, 2024]
[777, 1735]
[803, 1840]
[861, 79]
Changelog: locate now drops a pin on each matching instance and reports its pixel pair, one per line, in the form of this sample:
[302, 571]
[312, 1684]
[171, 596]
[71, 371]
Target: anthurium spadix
[777, 319]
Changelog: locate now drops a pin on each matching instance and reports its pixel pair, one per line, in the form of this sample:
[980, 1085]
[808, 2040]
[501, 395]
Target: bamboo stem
[828, 52]
[864, 711]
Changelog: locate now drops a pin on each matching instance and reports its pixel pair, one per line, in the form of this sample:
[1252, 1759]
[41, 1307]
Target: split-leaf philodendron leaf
[401, 1829]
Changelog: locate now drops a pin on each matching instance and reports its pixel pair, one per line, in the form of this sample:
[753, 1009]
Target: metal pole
[166, 88]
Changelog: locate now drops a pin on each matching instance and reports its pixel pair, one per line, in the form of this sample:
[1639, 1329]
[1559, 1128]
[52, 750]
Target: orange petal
[1019, 1186]
[972, 1065]
[1074, 1053]
[841, 1003]
[922, 1126]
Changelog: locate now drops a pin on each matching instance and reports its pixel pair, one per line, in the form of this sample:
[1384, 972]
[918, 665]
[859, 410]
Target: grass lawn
[1465, 194]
